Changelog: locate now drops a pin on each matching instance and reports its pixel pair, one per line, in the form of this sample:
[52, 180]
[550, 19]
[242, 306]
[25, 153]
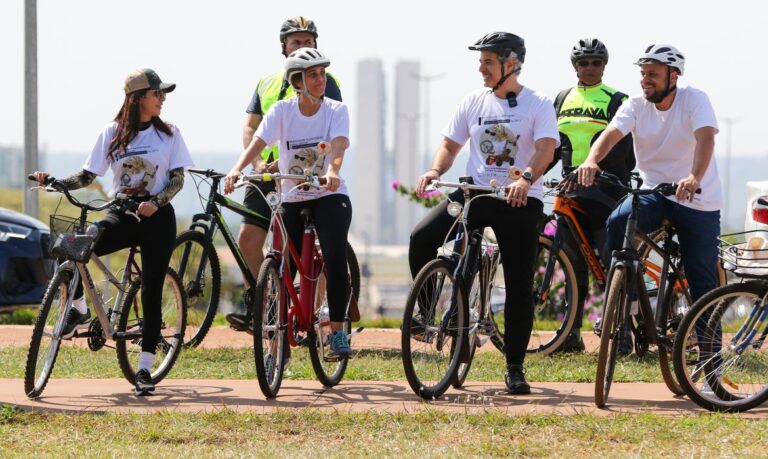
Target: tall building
[407, 154]
[372, 216]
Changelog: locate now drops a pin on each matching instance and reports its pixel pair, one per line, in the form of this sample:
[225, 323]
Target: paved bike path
[116, 395]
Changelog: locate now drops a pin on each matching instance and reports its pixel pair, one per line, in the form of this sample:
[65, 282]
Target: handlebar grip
[48, 180]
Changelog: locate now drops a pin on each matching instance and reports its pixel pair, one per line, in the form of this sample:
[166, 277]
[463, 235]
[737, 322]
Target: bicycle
[73, 241]
[284, 315]
[625, 281]
[555, 286]
[723, 363]
[448, 309]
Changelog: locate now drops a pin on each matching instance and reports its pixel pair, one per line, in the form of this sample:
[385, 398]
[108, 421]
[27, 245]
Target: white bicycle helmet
[663, 54]
[303, 59]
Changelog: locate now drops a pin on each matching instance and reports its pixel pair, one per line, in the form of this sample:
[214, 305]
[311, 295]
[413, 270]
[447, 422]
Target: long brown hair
[128, 122]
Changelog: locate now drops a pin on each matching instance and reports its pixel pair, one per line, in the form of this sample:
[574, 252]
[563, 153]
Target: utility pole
[729, 122]
[30, 103]
[427, 80]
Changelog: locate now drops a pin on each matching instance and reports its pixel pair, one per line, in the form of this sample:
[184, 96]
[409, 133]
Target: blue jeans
[697, 232]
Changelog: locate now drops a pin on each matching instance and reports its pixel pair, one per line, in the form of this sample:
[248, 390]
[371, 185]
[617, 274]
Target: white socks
[146, 360]
[80, 305]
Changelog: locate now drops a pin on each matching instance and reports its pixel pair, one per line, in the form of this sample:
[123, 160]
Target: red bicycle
[285, 314]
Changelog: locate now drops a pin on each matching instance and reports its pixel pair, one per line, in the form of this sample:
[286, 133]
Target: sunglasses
[586, 63]
[159, 93]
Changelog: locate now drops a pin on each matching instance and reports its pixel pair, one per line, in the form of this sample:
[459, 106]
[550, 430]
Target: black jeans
[332, 216]
[517, 233]
[154, 236]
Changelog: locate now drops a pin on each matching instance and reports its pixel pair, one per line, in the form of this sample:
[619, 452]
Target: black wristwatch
[528, 176]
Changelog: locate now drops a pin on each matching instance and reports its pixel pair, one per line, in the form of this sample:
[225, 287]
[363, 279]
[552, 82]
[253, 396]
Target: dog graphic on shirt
[499, 145]
[137, 177]
[306, 158]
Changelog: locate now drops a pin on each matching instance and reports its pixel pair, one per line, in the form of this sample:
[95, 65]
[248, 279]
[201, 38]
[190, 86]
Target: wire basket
[746, 253]
[72, 238]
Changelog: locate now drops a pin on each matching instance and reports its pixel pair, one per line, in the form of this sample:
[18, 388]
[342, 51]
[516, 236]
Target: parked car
[24, 265]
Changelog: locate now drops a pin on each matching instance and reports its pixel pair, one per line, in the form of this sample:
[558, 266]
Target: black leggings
[517, 232]
[154, 236]
[332, 216]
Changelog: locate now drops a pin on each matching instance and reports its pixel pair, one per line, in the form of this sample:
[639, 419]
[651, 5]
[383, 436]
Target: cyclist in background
[583, 112]
[507, 125]
[299, 125]
[295, 33]
[147, 157]
[673, 130]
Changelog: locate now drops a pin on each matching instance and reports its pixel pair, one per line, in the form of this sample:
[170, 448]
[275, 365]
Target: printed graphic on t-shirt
[303, 155]
[498, 143]
[137, 175]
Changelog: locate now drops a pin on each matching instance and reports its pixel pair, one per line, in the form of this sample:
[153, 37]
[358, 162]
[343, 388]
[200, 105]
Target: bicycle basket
[68, 240]
[745, 253]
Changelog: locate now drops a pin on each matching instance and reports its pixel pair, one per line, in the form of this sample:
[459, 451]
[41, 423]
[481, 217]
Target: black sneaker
[514, 378]
[144, 384]
[573, 343]
[625, 342]
[240, 322]
[74, 318]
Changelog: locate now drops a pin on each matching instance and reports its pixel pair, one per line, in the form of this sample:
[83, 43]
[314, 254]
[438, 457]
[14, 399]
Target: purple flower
[395, 184]
[430, 194]
[550, 228]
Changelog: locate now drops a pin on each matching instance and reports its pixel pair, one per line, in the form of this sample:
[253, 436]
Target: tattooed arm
[80, 180]
[175, 183]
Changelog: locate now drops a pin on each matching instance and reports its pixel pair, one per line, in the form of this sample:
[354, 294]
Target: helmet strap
[504, 75]
[305, 92]
[667, 90]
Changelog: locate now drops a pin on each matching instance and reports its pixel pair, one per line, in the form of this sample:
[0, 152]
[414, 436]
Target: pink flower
[395, 184]
[550, 228]
[430, 194]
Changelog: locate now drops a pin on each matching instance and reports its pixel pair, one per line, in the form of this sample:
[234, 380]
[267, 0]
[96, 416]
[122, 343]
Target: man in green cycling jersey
[583, 112]
[295, 33]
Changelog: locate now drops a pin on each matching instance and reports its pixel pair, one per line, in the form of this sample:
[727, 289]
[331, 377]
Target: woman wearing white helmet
[298, 125]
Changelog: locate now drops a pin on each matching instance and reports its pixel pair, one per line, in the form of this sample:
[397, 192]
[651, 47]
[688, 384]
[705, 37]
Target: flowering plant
[428, 199]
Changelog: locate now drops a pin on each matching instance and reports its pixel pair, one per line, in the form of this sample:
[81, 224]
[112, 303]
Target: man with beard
[673, 130]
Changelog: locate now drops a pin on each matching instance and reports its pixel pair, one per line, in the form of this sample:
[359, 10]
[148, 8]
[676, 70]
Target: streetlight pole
[729, 122]
[30, 103]
[427, 80]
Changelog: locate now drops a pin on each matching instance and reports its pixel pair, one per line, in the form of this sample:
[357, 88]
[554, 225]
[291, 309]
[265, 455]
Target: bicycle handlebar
[309, 179]
[206, 172]
[121, 202]
[666, 189]
[496, 191]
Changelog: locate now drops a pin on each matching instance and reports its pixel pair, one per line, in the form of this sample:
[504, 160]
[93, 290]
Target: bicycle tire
[202, 297]
[715, 308]
[330, 373]
[51, 319]
[610, 336]
[269, 327]
[664, 349]
[173, 307]
[476, 311]
[426, 330]
[558, 309]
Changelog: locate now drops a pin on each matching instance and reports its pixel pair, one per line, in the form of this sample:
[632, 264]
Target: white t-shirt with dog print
[299, 138]
[141, 170]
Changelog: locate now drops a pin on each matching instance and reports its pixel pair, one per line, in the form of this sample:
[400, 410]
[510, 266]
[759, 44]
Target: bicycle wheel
[434, 318]
[270, 345]
[721, 366]
[678, 306]
[554, 313]
[131, 320]
[202, 292]
[610, 336]
[46, 336]
[331, 371]
[476, 311]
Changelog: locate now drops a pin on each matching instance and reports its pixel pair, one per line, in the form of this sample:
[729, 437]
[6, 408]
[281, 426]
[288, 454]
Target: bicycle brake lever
[133, 214]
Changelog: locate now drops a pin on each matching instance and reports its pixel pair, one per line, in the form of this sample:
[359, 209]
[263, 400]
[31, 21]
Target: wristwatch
[528, 176]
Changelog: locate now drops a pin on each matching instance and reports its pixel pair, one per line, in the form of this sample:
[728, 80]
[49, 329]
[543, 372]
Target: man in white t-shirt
[507, 126]
[674, 137]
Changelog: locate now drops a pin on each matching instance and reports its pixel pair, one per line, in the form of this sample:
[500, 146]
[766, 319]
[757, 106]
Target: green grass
[368, 365]
[21, 316]
[307, 432]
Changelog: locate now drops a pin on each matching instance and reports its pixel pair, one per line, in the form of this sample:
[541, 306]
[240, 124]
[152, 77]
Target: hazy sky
[216, 51]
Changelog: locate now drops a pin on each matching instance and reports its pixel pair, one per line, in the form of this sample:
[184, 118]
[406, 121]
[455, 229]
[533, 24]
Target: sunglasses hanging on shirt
[512, 99]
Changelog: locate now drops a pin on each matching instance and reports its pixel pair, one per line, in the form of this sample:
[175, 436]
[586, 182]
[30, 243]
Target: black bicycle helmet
[502, 43]
[589, 47]
[295, 25]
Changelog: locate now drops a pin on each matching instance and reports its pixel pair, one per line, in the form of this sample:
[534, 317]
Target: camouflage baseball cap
[145, 79]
